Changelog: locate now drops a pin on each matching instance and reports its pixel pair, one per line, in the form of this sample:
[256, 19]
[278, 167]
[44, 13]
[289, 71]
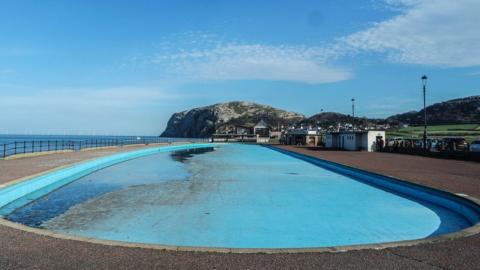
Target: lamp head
[424, 80]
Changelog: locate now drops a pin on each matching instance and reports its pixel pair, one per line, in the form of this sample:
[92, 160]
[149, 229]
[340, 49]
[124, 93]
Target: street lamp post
[424, 83]
[353, 113]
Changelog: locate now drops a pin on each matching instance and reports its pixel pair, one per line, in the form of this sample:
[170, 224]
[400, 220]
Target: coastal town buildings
[259, 133]
[342, 137]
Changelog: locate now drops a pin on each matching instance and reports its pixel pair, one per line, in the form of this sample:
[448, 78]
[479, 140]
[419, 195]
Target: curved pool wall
[465, 207]
[19, 194]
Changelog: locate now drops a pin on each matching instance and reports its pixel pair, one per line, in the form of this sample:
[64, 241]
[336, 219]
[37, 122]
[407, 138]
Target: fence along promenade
[37, 146]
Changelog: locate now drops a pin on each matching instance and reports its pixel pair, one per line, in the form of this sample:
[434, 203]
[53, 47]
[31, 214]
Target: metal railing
[463, 154]
[35, 146]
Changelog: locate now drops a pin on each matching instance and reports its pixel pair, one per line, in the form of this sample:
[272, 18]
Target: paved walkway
[11, 169]
[451, 175]
[24, 250]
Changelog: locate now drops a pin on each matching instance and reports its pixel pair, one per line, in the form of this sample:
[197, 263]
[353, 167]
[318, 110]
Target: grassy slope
[469, 131]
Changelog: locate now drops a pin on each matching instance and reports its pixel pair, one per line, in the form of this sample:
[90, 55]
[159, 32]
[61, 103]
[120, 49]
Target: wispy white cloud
[208, 58]
[440, 33]
[427, 32]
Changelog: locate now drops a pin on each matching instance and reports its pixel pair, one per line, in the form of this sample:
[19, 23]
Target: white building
[299, 136]
[355, 140]
[261, 129]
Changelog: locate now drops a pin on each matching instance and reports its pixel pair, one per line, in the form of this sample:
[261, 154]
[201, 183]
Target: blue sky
[123, 67]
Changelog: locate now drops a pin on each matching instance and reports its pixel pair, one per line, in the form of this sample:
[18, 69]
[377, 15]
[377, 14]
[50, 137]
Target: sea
[10, 138]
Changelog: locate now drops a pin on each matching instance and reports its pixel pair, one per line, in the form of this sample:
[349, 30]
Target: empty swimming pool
[239, 196]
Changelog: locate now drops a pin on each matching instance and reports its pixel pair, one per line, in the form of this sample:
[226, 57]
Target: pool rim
[469, 231]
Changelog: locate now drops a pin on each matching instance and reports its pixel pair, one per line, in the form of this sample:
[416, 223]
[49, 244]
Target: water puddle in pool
[161, 169]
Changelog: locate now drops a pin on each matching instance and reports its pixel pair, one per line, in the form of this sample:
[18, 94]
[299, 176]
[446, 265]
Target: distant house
[261, 129]
[302, 136]
[354, 140]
